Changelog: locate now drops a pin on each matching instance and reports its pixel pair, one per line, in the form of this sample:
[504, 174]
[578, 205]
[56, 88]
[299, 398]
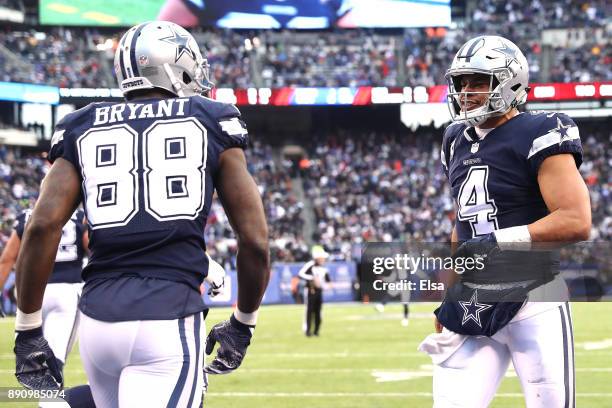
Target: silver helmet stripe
[128, 65]
[133, 61]
[125, 55]
[121, 64]
[471, 50]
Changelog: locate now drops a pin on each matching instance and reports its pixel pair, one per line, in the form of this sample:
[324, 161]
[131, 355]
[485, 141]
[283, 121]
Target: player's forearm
[5, 269]
[253, 262]
[35, 263]
[562, 225]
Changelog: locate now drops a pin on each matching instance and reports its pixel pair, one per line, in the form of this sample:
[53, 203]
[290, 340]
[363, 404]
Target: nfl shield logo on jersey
[474, 148]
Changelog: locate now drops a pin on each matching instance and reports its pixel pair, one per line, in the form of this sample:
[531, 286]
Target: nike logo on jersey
[128, 111]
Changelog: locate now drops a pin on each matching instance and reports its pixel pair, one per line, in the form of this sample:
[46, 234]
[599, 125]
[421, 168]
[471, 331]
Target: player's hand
[215, 278]
[484, 246]
[36, 366]
[234, 338]
[438, 326]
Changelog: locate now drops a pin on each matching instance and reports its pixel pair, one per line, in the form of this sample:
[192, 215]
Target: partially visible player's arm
[567, 199]
[242, 203]
[59, 197]
[8, 257]
[240, 198]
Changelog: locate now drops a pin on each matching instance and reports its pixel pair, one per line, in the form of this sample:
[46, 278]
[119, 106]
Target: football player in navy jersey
[514, 177]
[59, 307]
[145, 171]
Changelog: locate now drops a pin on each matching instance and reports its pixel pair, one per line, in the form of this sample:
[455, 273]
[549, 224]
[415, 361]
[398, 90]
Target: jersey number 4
[475, 204]
[172, 155]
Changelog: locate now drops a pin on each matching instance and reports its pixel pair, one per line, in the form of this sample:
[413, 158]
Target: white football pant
[61, 317]
[541, 349]
[144, 363]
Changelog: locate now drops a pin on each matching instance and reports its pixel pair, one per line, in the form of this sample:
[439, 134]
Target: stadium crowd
[57, 56]
[377, 187]
[77, 57]
[20, 176]
[361, 187]
[282, 207]
[374, 187]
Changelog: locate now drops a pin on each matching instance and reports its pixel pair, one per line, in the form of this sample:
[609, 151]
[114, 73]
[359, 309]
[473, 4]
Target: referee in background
[314, 273]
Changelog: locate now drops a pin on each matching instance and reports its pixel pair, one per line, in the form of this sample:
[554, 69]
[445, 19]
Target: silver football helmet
[507, 67]
[161, 54]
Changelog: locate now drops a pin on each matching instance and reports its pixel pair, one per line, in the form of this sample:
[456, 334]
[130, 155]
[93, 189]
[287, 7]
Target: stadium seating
[78, 57]
[360, 186]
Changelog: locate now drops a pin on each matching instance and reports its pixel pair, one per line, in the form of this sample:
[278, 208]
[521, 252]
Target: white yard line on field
[595, 345]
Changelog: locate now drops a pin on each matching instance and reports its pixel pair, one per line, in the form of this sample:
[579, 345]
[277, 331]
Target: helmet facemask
[184, 84]
[493, 105]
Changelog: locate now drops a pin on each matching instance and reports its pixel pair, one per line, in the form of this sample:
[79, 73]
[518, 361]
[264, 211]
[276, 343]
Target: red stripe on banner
[281, 96]
[438, 93]
[363, 96]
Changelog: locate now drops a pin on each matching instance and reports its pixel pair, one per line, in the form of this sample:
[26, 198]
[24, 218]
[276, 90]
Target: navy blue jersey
[70, 253]
[148, 171]
[494, 180]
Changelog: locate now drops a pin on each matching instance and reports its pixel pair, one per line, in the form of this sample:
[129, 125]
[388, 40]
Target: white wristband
[249, 319]
[28, 321]
[515, 238]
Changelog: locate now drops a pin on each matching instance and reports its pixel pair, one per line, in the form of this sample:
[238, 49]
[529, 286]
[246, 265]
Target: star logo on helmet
[181, 42]
[508, 52]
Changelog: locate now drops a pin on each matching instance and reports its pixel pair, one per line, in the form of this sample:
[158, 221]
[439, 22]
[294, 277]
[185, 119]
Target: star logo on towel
[472, 309]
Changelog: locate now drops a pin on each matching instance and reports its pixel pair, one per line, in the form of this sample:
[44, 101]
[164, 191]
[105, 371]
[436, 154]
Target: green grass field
[358, 345]
[98, 12]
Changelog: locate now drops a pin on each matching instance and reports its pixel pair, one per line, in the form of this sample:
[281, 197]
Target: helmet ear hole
[457, 83]
[186, 78]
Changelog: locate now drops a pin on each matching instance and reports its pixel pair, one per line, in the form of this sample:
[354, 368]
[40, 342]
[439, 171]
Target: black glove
[234, 338]
[36, 365]
[484, 246]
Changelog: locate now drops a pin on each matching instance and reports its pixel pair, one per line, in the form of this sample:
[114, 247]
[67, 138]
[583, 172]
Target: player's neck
[497, 121]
